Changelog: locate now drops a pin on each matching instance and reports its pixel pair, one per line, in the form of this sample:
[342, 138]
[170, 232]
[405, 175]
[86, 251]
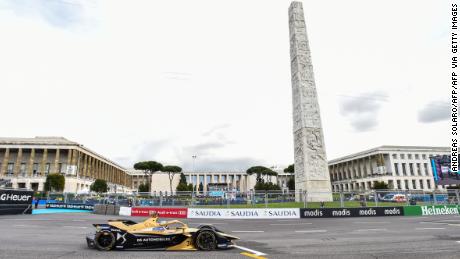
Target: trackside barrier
[243, 213]
[104, 209]
[15, 201]
[72, 206]
[125, 211]
[289, 213]
[351, 212]
[163, 212]
[431, 210]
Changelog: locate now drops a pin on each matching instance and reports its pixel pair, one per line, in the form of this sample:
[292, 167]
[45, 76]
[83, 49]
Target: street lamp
[193, 170]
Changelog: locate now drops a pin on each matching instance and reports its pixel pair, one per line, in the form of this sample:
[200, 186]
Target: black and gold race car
[154, 235]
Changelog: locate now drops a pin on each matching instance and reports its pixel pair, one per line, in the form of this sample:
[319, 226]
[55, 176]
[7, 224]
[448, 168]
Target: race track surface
[63, 236]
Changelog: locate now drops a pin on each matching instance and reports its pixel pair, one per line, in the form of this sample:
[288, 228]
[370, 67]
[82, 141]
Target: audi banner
[163, 212]
[15, 202]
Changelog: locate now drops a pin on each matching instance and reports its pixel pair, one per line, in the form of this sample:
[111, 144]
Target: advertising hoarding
[431, 210]
[69, 206]
[351, 212]
[163, 212]
[243, 213]
[442, 173]
[15, 202]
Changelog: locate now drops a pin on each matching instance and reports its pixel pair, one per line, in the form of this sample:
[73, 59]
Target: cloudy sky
[166, 80]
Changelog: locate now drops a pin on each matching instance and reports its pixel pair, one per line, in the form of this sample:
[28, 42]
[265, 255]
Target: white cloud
[118, 75]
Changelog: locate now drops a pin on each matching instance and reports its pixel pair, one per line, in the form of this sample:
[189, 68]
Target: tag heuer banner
[15, 202]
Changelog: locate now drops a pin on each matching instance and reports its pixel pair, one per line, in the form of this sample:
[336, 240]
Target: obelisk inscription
[310, 162]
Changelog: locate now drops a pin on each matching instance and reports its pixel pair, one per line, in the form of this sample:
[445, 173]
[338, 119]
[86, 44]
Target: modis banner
[351, 212]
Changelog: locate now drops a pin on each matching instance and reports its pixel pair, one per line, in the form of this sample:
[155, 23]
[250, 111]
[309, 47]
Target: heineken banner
[351, 212]
[431, 210]
[69, 206]
[15, 202]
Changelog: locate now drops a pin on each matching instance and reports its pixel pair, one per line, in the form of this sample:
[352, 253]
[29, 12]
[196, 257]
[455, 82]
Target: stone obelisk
[310, 166]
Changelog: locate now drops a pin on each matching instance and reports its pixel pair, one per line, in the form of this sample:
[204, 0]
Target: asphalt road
[63, 236]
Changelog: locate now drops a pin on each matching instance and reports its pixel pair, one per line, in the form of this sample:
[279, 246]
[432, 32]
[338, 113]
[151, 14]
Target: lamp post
[193, 170]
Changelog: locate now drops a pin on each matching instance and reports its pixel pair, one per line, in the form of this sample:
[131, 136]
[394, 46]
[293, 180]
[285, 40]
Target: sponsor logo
[244, 213]
[163, 212]
[394, 211]
[153, 239]
[341, 213]
[14, 197]
[207, 213]
[368, 212]
[313, 213]
[282, 213]
[351, 212]
[432, 210]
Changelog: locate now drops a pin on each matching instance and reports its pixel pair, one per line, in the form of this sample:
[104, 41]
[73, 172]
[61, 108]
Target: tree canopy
[261, 186]
[143, 187]
[260, 171]
[149, 168]
[99, 186]
[55, 182]
[183, 186]
[171, 170]
[289, 169]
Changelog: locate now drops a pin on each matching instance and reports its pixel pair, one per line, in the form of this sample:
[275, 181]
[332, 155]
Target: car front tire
[206, 240]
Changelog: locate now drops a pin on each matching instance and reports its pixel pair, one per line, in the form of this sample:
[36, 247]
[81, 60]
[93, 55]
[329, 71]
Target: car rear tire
[206, 240]
[104, 240]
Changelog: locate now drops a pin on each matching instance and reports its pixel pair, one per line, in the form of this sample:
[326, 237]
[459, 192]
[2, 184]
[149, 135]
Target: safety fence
[262, 199]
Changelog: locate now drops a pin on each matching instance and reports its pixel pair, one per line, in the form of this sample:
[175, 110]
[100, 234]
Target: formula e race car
[154, 235]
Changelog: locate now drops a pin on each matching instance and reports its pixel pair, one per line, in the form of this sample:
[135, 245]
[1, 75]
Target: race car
[154, 235]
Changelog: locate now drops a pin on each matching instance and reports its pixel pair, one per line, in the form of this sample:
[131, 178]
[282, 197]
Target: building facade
[25, 163]
[401, 167]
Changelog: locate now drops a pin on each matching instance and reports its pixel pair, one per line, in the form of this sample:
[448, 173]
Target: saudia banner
[431, 210]
[351, 212]
[15, 202]
[243, 213]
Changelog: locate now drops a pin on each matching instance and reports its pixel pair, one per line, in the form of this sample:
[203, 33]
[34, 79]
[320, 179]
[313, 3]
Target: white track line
[458, 242]
[32, 219]
[248, 231]
[428, 228]
[457, 225]
[371, 229]
[250, 250]
[311, 231]
[289, 224]
[370, 222]
[212, 223]
[74, 227]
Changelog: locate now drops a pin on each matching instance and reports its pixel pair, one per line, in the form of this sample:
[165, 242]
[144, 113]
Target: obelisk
[310, 162]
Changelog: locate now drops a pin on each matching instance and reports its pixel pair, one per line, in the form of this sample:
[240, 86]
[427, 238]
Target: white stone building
[25, 163]
[401, 167]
